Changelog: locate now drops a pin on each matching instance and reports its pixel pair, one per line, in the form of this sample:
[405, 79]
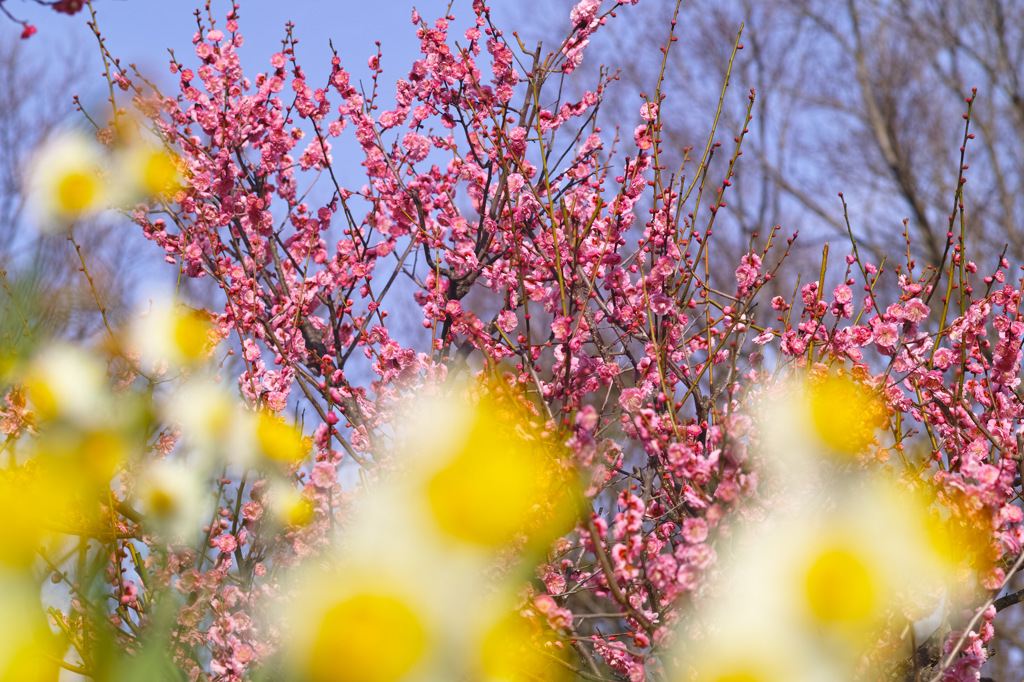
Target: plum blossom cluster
[569, 302]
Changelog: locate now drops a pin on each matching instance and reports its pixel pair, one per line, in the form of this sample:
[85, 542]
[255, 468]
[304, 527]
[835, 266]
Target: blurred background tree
[863, 97]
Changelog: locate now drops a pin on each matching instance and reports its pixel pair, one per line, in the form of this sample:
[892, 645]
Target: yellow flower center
[845, 414]
[278, 440]
[76, 191]
[191, 335]
[367, 638]
[839, 587]
[160, 176]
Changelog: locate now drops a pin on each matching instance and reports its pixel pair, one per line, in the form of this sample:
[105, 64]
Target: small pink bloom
[553, 579]
[250, 351]
[642, 137]
[630, 399]
[277, 400]
[586, 418]
[915, 310]
[842, 294]
[746, 276]
[661, 304]
[809, 293]
[695, 530]
[584, 12]
[251, 511]
[886, 335]
[545, 603]
[225, 543]
[507, 321]
[562, 327]
[515, 183]
[324, 475]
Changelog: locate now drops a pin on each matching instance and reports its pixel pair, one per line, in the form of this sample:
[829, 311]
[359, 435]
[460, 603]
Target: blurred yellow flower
[963, 543]
[22, 531]
[841, 585]
[511, 650]
[28, 650]
[89, 457]
[366, 637]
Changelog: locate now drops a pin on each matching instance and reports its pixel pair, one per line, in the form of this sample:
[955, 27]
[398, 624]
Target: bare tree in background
[863, 97]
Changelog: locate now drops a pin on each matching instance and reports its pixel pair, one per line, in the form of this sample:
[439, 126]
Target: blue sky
[140, 31]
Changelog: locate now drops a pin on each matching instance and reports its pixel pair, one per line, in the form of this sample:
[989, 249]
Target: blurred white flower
[143, 172]
[288, 506]
[211, 420]
[390, 608]
[829, 570]
[360, 627]
[415, 594]
[66, 180]
[742, 644]
[815, 431]
[64, 382]
[482, 474]
[174, 334]
[171, 496]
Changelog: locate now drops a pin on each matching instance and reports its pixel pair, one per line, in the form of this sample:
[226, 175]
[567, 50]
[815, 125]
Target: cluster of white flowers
[414, 595]
[840, 551]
